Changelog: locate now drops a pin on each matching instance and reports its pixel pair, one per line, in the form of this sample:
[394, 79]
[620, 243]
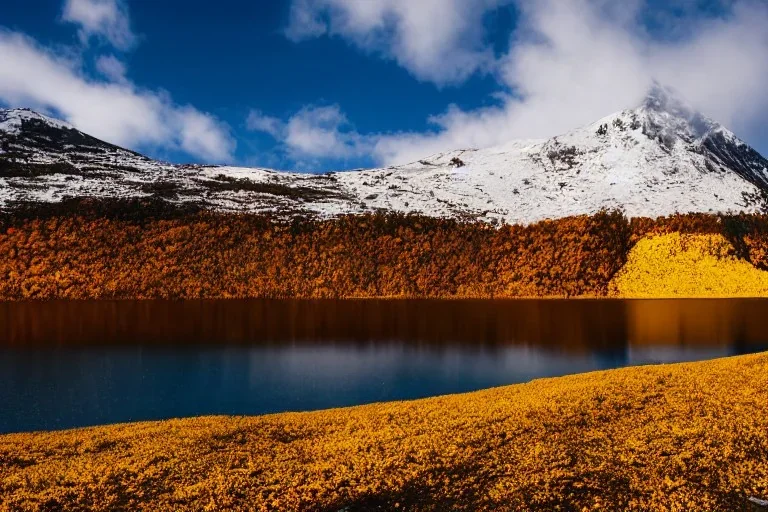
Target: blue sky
[325, 84]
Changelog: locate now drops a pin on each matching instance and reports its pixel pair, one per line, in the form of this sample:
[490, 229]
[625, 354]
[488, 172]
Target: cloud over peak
[570, 62]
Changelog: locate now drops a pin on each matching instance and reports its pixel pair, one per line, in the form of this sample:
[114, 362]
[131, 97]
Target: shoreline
[638, 438]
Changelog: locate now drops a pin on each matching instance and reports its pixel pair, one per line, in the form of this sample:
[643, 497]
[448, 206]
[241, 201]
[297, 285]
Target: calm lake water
[71, 364]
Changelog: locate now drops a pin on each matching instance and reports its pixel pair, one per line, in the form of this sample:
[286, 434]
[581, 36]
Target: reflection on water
[571, 325]
[65, 364]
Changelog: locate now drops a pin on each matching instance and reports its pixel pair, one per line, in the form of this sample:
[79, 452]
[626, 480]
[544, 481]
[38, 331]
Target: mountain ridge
[660, 158]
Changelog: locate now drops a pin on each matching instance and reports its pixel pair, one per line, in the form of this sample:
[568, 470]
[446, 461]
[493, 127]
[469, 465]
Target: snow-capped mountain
[657, 159]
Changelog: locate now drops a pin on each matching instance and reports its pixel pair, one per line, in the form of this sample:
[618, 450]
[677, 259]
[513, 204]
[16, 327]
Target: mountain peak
[661, 98]
[667, 114]
[660, 158]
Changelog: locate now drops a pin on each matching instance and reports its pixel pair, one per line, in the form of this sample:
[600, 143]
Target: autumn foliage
[687, 265]
[220, 256]
[747, 234]
[133, 251]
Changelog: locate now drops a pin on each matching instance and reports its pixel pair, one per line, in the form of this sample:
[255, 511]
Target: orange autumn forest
[106, 254]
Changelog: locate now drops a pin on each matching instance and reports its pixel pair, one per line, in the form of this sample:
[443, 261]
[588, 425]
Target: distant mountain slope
[654, 160]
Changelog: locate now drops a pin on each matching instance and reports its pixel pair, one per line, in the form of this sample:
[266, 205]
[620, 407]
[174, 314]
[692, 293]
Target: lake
[68, 364]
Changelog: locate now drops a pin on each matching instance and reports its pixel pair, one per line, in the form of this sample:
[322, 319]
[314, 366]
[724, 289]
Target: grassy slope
[682, 437]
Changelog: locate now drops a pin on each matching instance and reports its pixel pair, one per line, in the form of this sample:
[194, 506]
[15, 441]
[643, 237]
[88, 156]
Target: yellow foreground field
[680, 437]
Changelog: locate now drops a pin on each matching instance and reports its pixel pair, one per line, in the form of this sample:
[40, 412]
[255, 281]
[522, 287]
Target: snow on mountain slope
[657, 159]
[11, 121]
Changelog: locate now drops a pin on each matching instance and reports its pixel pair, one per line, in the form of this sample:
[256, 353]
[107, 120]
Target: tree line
[100, 254]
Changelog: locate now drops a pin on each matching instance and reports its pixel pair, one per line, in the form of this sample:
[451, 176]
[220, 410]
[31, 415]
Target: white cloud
[723, 69]
[573, 61]
[201, 134]
[441, 41]
[314, 132]
[323, 131]
[105, 19]
[258, 122]
[118, 112]
[111, 68]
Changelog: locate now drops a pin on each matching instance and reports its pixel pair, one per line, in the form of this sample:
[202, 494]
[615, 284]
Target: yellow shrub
[682, 265]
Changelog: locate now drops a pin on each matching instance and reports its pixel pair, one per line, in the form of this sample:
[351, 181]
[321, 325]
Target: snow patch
[11, 120]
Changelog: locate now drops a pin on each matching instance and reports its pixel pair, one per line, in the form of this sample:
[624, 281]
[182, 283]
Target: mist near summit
[569, 62]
